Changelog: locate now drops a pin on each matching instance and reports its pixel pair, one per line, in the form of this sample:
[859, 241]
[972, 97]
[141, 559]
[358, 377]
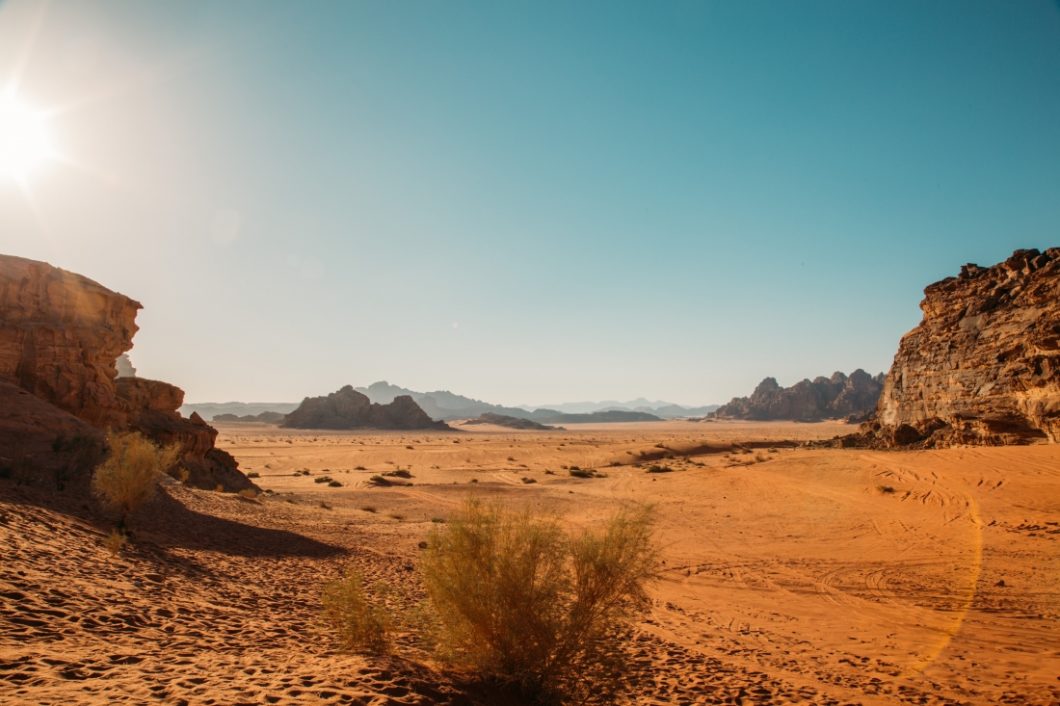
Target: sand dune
[792, 575]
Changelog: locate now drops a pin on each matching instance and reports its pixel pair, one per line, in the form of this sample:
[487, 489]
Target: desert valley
[470, 353]
[911, 559]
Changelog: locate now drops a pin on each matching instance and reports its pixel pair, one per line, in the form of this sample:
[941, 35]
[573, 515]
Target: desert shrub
[334, 484]
[398, 473]
[656, 468]
[521, 601]
[253, 474]
[358, 624]
[115, 542]
[128, 476]
[581, 472]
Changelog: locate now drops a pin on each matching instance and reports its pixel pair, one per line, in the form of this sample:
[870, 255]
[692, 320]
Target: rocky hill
[502, 420]
[60, 337]
[349, 409]
[854, 396]
[263, 418]
[983, 366]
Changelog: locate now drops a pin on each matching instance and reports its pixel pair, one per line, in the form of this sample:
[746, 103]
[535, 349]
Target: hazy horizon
[529, 203]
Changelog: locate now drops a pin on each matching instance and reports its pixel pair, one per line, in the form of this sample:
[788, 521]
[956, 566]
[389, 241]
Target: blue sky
[531, 202]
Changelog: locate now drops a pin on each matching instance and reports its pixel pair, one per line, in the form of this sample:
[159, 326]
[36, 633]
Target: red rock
[983, 366]
[60, 336]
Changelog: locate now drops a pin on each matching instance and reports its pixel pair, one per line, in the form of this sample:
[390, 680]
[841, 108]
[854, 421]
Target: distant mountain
[551, 416]
[209, 410]
[263, 418]
[659, 408]
[445, 405]
[440, 404]
[822, 398]
[503, 420]
[349, 409]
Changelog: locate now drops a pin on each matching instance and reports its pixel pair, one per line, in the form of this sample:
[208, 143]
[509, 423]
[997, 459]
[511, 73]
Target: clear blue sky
[526, 201]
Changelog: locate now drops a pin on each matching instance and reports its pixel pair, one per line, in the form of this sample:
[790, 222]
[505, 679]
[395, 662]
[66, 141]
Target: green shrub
[522, 601]
[358, 624]
[129, 475]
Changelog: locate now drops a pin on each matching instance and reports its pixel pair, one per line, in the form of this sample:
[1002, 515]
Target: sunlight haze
[529, 202]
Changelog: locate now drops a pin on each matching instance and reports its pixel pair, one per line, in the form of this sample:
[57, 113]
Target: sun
[25, 140]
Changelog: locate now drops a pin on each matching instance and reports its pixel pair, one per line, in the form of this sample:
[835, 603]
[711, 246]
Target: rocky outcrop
[152, 408]
[44, 446]
[124, 366]
[60, 334]
[263, 418]
[503, 420]
[349, 409]
[839, 396]
[983, 366]
[60, 337]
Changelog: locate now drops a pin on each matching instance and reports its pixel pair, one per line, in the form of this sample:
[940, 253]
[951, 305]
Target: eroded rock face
[349, 409]
[983, 366]
[45, 446]
[60, 337]
[855, 396]
[60, 334]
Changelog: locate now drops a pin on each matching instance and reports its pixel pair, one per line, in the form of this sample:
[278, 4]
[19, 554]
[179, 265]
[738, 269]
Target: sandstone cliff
[349, 409]
[853, 396]
[60, 337]
[983, 366]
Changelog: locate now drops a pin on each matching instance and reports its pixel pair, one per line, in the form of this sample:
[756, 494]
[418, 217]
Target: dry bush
[114, 542]
[129, 475]
[358, 624]
[521, 601]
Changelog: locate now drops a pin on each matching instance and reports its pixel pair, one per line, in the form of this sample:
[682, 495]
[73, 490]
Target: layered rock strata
[60, 337]
[983, 366]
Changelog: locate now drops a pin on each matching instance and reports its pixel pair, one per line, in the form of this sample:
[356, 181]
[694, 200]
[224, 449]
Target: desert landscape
[790, 574]
[619, 353]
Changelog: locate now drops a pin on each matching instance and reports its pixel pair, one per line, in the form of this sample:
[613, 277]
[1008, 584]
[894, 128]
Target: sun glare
[25, 141]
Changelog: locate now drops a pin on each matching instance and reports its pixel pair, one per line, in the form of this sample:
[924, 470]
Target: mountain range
[445, 405]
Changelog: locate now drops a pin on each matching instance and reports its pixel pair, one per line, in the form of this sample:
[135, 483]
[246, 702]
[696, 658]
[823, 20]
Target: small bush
[581, 472]
[115, 542]
[398, 473]
[358, 624]
[520, 600]
[656, 468]
[129, 475]
[253, 474]
[334, 484]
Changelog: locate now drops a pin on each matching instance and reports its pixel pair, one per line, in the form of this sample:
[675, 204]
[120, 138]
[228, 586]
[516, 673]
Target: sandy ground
[792, 575]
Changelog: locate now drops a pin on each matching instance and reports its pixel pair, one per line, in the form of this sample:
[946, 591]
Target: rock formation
[854, 396]
[503, 420]
[983, 366]
[349, 409]
[124, 366]
[60, 337]
[263, 418]
[42, 445]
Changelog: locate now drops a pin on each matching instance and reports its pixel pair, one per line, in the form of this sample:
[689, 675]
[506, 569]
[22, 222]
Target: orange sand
[791, 575]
